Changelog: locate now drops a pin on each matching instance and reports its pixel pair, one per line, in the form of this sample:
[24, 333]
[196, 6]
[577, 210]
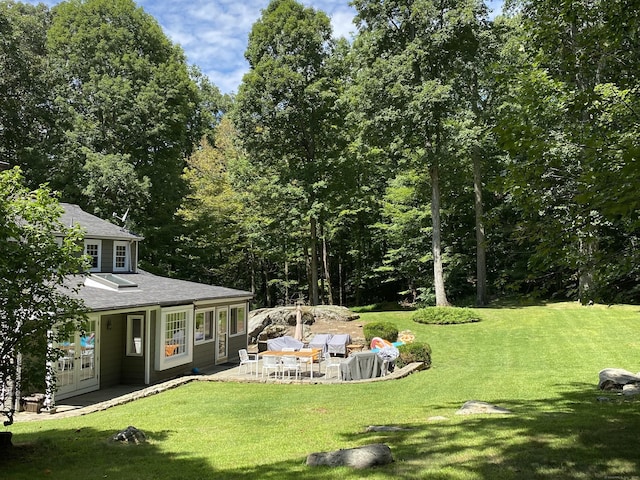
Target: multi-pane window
[120, 256]
[203, 330]
[175, 337]
[238, 322]
[93, 249]
[175, 342]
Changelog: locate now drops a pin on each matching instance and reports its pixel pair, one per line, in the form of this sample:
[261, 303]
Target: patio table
[314, 354]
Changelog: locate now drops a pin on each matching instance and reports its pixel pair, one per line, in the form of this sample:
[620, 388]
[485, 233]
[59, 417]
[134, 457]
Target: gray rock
[274, 322]
[616, 378]
[130, 435]
[360, 457]
[631, 389]
[473, 407]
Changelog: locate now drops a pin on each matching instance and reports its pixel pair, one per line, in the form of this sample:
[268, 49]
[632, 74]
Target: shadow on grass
[573, 436]
[576, 436]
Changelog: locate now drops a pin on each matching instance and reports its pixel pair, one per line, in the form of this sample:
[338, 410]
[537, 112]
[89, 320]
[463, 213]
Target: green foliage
[445, 315]
[34, 288]
[385, 330]
[414, 352]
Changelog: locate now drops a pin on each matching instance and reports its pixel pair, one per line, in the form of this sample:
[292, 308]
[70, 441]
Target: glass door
[222, 335]
[77, 366]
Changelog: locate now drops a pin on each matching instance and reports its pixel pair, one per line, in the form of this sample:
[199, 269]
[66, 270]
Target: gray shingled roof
[94, 227]
[152, 290]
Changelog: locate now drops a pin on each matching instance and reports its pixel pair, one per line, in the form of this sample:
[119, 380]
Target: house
[143, 328]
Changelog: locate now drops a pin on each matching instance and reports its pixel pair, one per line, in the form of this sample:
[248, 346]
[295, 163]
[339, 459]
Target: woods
[439, 157]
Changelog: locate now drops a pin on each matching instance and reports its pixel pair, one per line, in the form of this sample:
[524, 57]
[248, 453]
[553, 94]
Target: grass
[540, 362]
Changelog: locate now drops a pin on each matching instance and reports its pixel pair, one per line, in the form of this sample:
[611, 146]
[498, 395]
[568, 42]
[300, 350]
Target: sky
[214, 33]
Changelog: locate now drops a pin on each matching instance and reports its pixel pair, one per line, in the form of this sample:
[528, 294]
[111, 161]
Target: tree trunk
[325, 264]
[313, 265]
[438, 275]
[481, 254]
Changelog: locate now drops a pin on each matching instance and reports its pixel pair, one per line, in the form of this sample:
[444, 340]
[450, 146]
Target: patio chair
[338, 344]
[270, 363]
[247, 362]
[320, 340]
[290, 363]
[331, 363]
[306, 361]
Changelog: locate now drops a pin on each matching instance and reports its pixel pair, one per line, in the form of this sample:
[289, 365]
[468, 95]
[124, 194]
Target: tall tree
[126, 98]
[28, 132]
[33, 290]
[284, 109]
[414, 55]
[582, 74]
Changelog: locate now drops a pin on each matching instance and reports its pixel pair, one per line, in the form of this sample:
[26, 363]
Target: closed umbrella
[298, 333]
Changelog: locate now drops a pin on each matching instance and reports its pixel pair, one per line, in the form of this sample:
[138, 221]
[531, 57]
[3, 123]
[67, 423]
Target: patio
[121, 394]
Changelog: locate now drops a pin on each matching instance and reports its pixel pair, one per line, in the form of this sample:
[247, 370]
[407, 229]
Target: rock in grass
[130, 435]
[360, 457]
[473, 407]
[616, 378]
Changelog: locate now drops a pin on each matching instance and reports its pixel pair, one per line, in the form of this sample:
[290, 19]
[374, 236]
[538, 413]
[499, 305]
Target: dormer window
[93, 248]
[121, 262]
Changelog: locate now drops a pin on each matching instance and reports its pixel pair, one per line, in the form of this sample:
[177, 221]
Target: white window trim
[127, 258]
[99, 243]
[162, 362]
[211, 310]
[231, 307]
[131, 352]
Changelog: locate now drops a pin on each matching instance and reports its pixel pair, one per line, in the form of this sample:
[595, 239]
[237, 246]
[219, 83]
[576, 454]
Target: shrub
[414, 352]
[384, 330]
[445, 315]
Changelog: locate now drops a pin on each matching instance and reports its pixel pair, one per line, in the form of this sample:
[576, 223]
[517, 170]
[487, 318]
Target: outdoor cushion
[280, 343]
[320, 340]
[338, 344]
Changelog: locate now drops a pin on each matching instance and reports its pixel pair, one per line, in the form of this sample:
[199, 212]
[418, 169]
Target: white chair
[270, 363]
[247, 362]
[290, 363]
[331, 363]
[306, 361]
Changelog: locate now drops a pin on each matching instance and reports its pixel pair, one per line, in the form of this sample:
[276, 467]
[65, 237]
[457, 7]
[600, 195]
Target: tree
[125, 97]
[28, 132]
[558, 126]
[284, 110]
[414, 56]
[34, 304]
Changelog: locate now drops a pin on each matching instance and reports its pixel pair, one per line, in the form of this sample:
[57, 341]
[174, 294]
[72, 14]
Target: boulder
[274, 322]
[616, 378]
[130, 435]
[359, 457]
[631, 389]
[473, 407]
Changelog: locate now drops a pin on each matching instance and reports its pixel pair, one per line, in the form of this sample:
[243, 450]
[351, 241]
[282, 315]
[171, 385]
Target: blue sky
[213, 33]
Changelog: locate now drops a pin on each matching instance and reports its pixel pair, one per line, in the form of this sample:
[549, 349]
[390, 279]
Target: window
[93, 248]
[175, 337]
[238, 321]
[135, 335]
[120, 256]
[203, 330]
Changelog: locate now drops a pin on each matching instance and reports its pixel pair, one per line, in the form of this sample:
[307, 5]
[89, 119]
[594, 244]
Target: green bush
[414, 352]
[385, 330]
[445, 315]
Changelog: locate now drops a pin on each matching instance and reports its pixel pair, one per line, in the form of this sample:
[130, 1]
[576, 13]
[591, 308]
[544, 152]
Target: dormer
[112, 248]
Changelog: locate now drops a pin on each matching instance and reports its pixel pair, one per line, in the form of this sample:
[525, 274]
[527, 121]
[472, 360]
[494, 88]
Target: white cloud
[214, 33]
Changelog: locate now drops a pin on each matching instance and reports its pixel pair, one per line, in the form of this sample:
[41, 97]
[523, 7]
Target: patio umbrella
[298, 333]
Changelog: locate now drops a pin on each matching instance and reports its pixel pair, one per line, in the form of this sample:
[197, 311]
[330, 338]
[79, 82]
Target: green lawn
[540, 362]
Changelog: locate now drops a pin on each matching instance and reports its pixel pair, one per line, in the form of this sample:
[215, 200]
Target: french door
[78, 365]
[222, 335]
